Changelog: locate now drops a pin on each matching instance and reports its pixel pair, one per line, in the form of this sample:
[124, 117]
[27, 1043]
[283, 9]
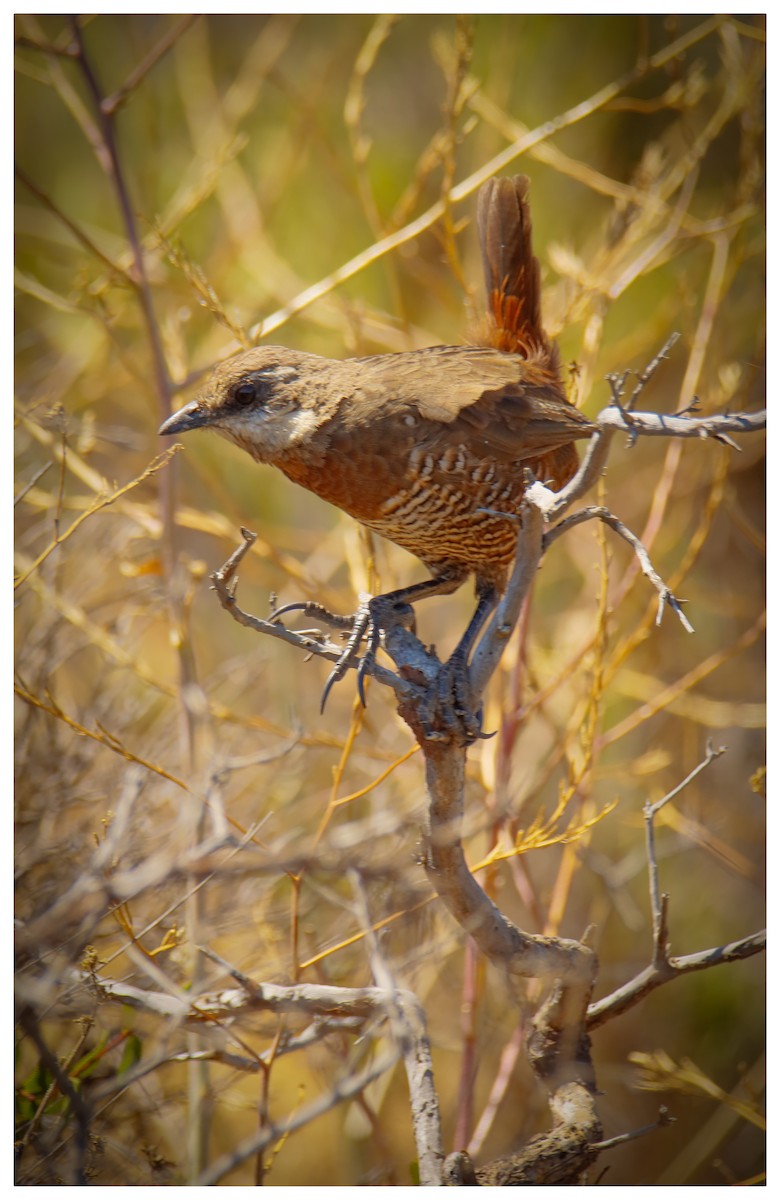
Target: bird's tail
[512, 279]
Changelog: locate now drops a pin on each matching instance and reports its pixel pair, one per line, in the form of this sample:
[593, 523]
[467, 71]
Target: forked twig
[224, 582]
[659, 903]
[664, 967]
[597, 512]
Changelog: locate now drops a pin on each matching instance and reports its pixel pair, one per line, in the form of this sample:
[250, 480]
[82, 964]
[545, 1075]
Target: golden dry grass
[311, 180]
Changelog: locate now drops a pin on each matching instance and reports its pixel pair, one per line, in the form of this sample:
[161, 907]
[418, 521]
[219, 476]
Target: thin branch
[650, 810]
[54, 1089]
[651, 368]
[625, 997]
[614, 419]
[659, 904]
[716, 426]
[224, 581]
[663, 1121]
[595, 512]
[78, 1104]
[107, 152]
[156, 465]
[408, 1022]
[319, 1000]
[346, 1088]
[103, 737]
[224, 766]
[112, 103]
[67, 50]
[20, 495]
[328, 1002]
[540, 503]
[78, 233]
[663, 967]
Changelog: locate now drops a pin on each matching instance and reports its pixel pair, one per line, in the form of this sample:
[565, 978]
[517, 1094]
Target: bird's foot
[454, 705]
[357, 625]
[362, 626]
[375, 614]
[310, 608]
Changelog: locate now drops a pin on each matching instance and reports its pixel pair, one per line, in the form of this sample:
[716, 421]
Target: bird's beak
[192, 416]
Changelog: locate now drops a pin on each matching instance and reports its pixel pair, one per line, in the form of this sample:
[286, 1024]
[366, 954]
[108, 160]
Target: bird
[431, 448]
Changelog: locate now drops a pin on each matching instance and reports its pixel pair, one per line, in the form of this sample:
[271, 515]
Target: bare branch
[530, 547]
[312, 999]
[711, 754]
[529, 955]
[408, 1022]
[603, 514]
[330, 1004]
[649, 424]
[560, 1156]
[224, 583]
[660, 904]
[615, 419]
[112, 103]
[349, 1086]
[651, 368]
[663, 1121]
[647, 981]
[663, 967]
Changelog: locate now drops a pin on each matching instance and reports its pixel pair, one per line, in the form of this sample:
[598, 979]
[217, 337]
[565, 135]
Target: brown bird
[426, 447]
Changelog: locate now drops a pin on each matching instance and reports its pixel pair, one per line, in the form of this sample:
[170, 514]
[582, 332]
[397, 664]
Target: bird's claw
[358, 625]
[310, 608]
[361, 625]
[450, 714]
[454, 706]
[374, 616]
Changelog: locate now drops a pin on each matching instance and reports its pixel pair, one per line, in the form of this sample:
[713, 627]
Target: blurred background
[181, 184]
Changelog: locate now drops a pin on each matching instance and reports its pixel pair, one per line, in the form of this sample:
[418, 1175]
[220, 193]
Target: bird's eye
[246, 393]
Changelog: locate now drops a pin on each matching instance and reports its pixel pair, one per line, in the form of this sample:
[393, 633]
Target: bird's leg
[455, 699]
[376, 614]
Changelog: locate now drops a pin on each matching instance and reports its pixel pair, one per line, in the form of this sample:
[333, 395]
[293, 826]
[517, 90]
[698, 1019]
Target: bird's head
[264, 400]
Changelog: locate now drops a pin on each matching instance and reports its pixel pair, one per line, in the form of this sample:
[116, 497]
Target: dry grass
[312, 179]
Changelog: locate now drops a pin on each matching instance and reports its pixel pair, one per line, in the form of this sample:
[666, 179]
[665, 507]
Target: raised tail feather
[512, 279]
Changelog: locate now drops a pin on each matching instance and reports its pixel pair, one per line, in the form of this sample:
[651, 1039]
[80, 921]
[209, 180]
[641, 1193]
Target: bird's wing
[521, 422]
[502, 405]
